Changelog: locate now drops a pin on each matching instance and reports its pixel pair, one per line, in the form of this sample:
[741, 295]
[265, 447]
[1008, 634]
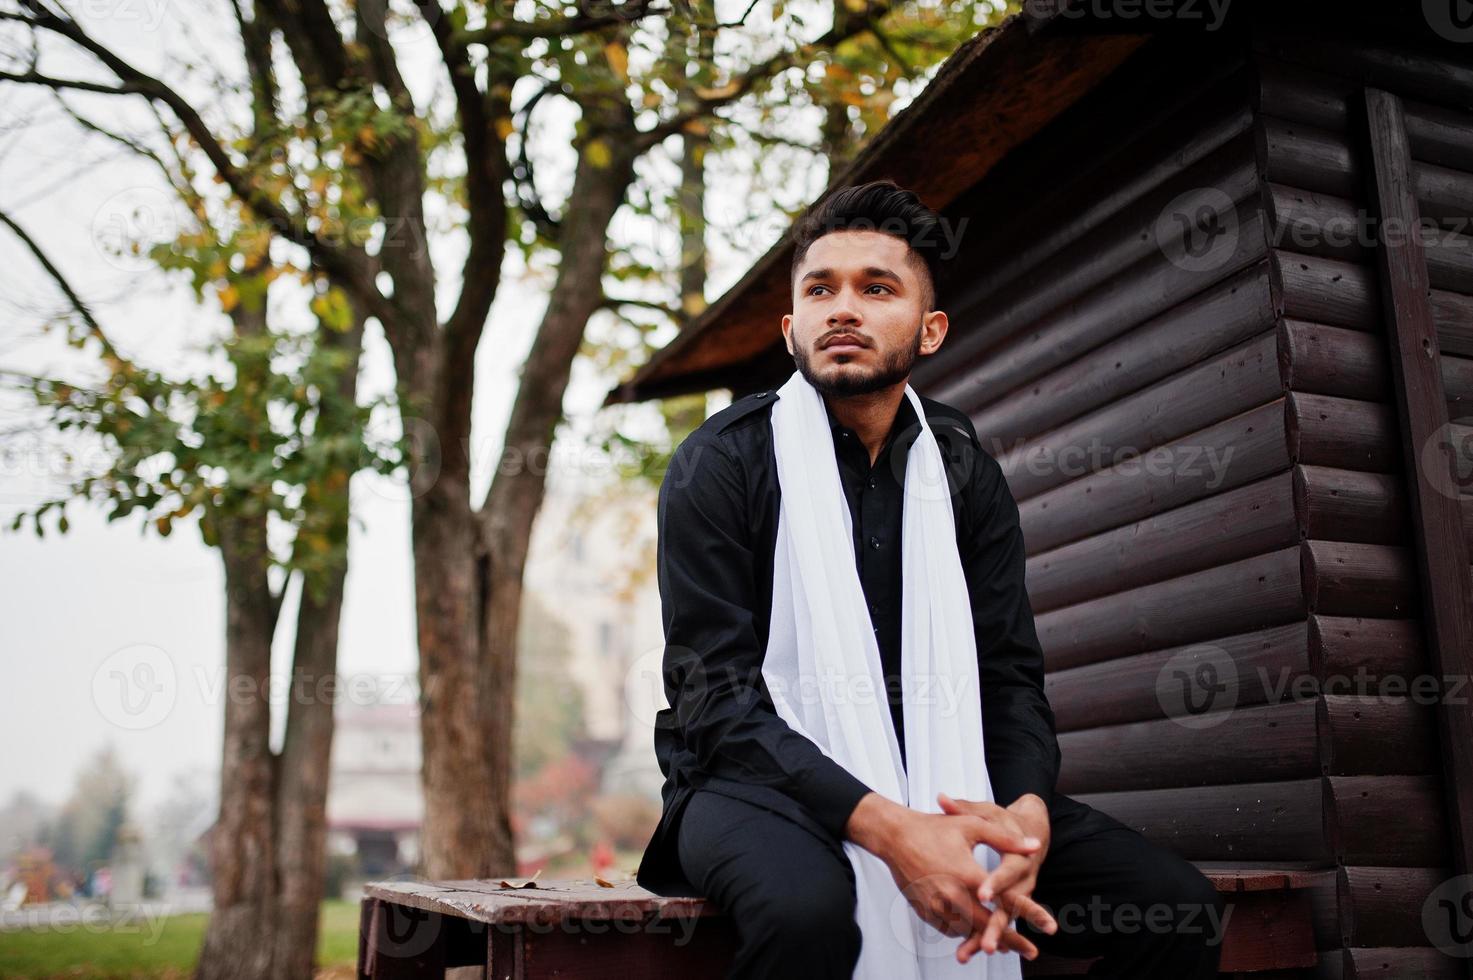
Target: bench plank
[576, 928]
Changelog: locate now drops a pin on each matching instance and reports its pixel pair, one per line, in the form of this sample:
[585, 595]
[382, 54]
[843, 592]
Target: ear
[933, 331]
[788, 331]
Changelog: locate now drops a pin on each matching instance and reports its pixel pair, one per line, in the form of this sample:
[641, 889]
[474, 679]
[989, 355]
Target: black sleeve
[1018, 724]
[713, 662]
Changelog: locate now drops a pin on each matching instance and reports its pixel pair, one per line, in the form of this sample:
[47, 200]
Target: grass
[165, 949]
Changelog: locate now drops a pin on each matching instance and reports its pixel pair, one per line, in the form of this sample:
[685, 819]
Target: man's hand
[1015, 877]
[930, 856]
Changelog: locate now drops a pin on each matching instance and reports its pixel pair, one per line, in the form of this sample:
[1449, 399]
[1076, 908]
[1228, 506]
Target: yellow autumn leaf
[229, 297]
[618, 57]
[598, 153]
[719, 92]
[504, 127]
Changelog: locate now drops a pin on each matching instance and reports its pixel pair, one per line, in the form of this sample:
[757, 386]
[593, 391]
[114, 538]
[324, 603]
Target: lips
[844, 342]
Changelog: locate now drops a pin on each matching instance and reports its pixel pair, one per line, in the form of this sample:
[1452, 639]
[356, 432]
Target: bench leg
[398, 942]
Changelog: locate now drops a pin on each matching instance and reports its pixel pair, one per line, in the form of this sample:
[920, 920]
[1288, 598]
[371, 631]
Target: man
[757, 816]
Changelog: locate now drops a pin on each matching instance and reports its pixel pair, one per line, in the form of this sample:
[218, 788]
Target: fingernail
[1031, 842]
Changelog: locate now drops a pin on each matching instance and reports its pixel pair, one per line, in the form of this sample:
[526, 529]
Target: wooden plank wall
[1313, 103]
[1231, 619]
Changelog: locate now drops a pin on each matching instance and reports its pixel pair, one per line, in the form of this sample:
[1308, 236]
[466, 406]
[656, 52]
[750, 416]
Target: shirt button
[874, 543]
[871, 483]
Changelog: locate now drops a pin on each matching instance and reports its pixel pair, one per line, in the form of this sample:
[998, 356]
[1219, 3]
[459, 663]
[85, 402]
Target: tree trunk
[518, 488]
[460, 837]
[237, 941]
[306, 751]
[301, 798]
[268, 847]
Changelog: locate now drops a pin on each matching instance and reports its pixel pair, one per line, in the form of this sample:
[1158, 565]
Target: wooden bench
[581, 928]
[1270, 923]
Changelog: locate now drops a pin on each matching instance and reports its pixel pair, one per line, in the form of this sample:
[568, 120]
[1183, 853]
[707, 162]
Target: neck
[871, 415]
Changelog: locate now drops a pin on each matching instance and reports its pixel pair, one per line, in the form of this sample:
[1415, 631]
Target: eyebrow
[872, 272]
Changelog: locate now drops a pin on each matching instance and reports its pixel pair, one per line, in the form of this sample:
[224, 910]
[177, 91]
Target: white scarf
[823, 669]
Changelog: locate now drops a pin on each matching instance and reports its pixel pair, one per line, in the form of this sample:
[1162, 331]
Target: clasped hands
[952, 901]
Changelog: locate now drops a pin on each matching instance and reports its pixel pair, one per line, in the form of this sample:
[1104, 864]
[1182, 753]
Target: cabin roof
[995, 92]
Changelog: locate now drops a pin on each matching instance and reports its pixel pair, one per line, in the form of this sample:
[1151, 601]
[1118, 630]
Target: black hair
[880, 205]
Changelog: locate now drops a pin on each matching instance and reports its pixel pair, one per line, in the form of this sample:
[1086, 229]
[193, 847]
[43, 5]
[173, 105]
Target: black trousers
[1145, 911]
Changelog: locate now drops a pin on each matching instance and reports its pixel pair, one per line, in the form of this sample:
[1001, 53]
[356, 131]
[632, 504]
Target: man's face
[859, 320]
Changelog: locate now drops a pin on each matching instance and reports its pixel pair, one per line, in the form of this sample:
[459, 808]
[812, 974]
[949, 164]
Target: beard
[848, 380]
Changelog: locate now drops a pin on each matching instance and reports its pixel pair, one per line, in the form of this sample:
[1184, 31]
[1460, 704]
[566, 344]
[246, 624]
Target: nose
[842, 313]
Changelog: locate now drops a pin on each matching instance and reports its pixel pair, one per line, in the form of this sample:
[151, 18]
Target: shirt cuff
[1014, 780]
[832, 794]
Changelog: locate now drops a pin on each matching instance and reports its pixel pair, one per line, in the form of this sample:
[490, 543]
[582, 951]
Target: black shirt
[718, 512]
[875, 492]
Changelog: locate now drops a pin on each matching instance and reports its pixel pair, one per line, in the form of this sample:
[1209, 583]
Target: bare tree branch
[93, 327]
[522, 172]
[255, 36]
[550, 27]
[351, 266]
[744, 83]
[486, 171]
[678, 315]
[36, 78]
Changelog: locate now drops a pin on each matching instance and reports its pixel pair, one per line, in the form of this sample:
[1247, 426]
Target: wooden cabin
[1230, 399]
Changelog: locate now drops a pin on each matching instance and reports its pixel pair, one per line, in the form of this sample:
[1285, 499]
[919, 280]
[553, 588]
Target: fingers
[1014, 940]
[998, 934]
[1009, 871]
[975, 808]
[952, 805]
[995, 926]
[999, 837]
[1035, 915]
[1010, 939]
[1018, 901]
[953, 909]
